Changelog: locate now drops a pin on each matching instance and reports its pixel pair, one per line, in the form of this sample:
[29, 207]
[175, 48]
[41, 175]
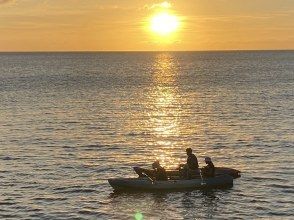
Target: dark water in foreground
[69, 121]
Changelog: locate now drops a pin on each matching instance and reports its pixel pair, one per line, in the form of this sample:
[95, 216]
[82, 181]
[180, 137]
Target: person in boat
[191, 167]
[158, 172]
[208, 170]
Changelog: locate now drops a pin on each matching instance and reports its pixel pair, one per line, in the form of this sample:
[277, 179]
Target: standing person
[191, 167]
[208, 170]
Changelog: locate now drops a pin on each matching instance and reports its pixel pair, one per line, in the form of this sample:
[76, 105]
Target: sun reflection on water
[165, 109]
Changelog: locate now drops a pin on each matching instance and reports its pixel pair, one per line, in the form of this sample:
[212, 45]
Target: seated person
[191, 167]
[158, 172]
[209, 170]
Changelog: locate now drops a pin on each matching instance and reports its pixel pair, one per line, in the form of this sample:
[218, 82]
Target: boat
[175, 174]
[147, 184]
[218, 171]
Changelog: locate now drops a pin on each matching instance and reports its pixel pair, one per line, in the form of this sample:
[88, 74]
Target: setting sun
[164, 24]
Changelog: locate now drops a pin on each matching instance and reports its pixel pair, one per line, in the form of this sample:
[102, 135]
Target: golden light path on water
[163, 119]
[166, 110]
[90, 117]
[178, 119]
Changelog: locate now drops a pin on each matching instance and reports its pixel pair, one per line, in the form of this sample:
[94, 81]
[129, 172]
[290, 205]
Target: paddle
[143, 172]
[202, 181]
[152, 180]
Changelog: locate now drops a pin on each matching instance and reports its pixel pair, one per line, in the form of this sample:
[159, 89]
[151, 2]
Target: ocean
[70, 121]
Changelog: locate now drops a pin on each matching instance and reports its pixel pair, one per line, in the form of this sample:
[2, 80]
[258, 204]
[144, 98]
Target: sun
[164, 24]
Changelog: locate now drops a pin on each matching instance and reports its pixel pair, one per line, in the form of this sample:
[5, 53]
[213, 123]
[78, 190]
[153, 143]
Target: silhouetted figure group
[187, 171]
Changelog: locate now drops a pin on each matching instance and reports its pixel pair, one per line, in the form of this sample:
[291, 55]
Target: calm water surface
[69, 121]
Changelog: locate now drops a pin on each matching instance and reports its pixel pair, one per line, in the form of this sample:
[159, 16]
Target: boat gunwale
[198, 185]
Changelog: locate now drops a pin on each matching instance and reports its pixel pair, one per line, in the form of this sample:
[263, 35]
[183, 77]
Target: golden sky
[124, 25]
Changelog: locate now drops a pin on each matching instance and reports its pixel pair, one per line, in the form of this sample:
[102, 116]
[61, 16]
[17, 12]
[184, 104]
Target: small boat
[147, 184]
[175, 174]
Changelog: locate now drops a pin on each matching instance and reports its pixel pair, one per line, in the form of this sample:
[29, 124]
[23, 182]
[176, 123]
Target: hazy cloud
[5, 1]
[164, 4]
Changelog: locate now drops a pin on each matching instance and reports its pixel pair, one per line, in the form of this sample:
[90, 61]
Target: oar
[152, 180]
[202, 181]
[140, 172]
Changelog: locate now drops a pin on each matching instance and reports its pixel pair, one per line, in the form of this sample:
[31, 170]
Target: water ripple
[70, 121]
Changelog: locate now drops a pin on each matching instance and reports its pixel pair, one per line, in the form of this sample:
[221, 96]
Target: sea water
[70, 121]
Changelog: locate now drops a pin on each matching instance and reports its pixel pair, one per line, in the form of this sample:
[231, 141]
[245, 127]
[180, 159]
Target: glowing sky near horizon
[87, 25]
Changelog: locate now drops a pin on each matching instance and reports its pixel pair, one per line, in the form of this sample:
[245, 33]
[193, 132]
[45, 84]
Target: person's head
[208, 160]
[189, 151]
[155, 164]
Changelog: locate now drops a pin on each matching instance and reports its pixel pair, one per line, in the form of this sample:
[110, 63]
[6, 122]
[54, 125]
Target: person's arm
[189, 162]
[204, 171]
[209, 171]
[197, 164]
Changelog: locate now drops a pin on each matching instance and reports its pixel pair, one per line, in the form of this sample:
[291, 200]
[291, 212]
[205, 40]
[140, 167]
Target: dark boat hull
[145, 184]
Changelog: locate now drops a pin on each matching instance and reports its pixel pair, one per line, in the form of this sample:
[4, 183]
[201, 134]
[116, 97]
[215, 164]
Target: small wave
[81, 191]
[259, 201]
[134, 134]
[281, 186]
[8, 184]
[47, 129]
[4, 171]
[68, 187]
[268, 179]
[49, 199]
[71, 122]
[103, 202]
[251, 156]
[74, 189]
[28, 187]
[7, 203]
[35, 210]
[288, 191]
[7, 216]
[95, 147]
[77, 191]
[8, 158]
[281, 214]
[87, 212]
[68, 147]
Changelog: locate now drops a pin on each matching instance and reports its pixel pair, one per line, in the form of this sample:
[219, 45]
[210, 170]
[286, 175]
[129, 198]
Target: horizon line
[138, 51]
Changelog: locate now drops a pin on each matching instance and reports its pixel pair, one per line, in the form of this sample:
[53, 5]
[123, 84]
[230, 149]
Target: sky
[124, 25]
